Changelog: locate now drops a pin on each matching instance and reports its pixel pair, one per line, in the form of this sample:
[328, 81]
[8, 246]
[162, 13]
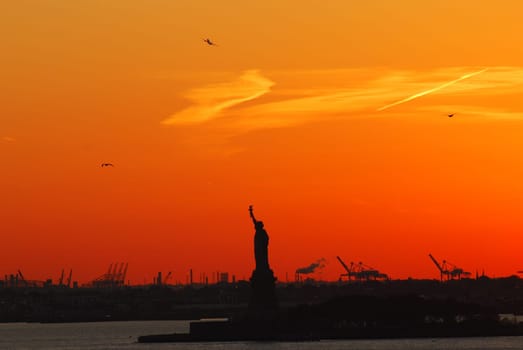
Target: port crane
[349, 272]
[124, 273]
[69, 278]
[167, 277]
[360, 271]
[448, 270]
[442, 271]
[29, 283]
[366, 272]
[61, 279]
[114, 277]
[22, 278]
[456, 272]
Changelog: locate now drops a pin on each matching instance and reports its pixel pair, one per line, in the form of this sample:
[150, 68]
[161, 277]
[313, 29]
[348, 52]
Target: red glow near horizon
[285, 114]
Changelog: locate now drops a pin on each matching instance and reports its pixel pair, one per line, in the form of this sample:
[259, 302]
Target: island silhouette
[340, 317]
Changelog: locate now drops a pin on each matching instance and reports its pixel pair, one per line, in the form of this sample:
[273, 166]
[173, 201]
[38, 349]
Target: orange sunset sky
[330, 117]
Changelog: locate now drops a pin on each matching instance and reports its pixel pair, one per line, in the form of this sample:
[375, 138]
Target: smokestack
[190, 277]
[319, 264]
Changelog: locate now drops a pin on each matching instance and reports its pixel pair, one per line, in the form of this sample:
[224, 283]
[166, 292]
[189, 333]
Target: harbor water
[123, 335]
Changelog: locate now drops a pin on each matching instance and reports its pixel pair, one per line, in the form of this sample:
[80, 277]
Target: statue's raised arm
[252, 215]
[261, 243]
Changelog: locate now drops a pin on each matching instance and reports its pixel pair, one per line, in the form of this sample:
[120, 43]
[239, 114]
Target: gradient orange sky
[328, 116]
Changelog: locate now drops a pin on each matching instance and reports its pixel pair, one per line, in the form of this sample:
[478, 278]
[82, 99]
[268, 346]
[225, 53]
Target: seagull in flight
[210, 42]
[450, 115]
[107, 164]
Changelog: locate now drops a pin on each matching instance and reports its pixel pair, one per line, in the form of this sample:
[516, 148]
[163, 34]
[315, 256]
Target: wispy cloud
[365, 96]
[209, 101]
[316, 96]
[426, 92]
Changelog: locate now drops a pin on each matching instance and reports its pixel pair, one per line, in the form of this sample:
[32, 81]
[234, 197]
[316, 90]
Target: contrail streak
[420, 94]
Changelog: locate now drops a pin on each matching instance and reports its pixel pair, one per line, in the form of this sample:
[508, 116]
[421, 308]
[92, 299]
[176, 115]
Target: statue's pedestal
[263, 305]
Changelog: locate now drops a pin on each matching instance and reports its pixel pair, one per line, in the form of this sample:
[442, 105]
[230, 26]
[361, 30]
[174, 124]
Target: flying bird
[210, 42]
[450, 115]
[107, 164]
